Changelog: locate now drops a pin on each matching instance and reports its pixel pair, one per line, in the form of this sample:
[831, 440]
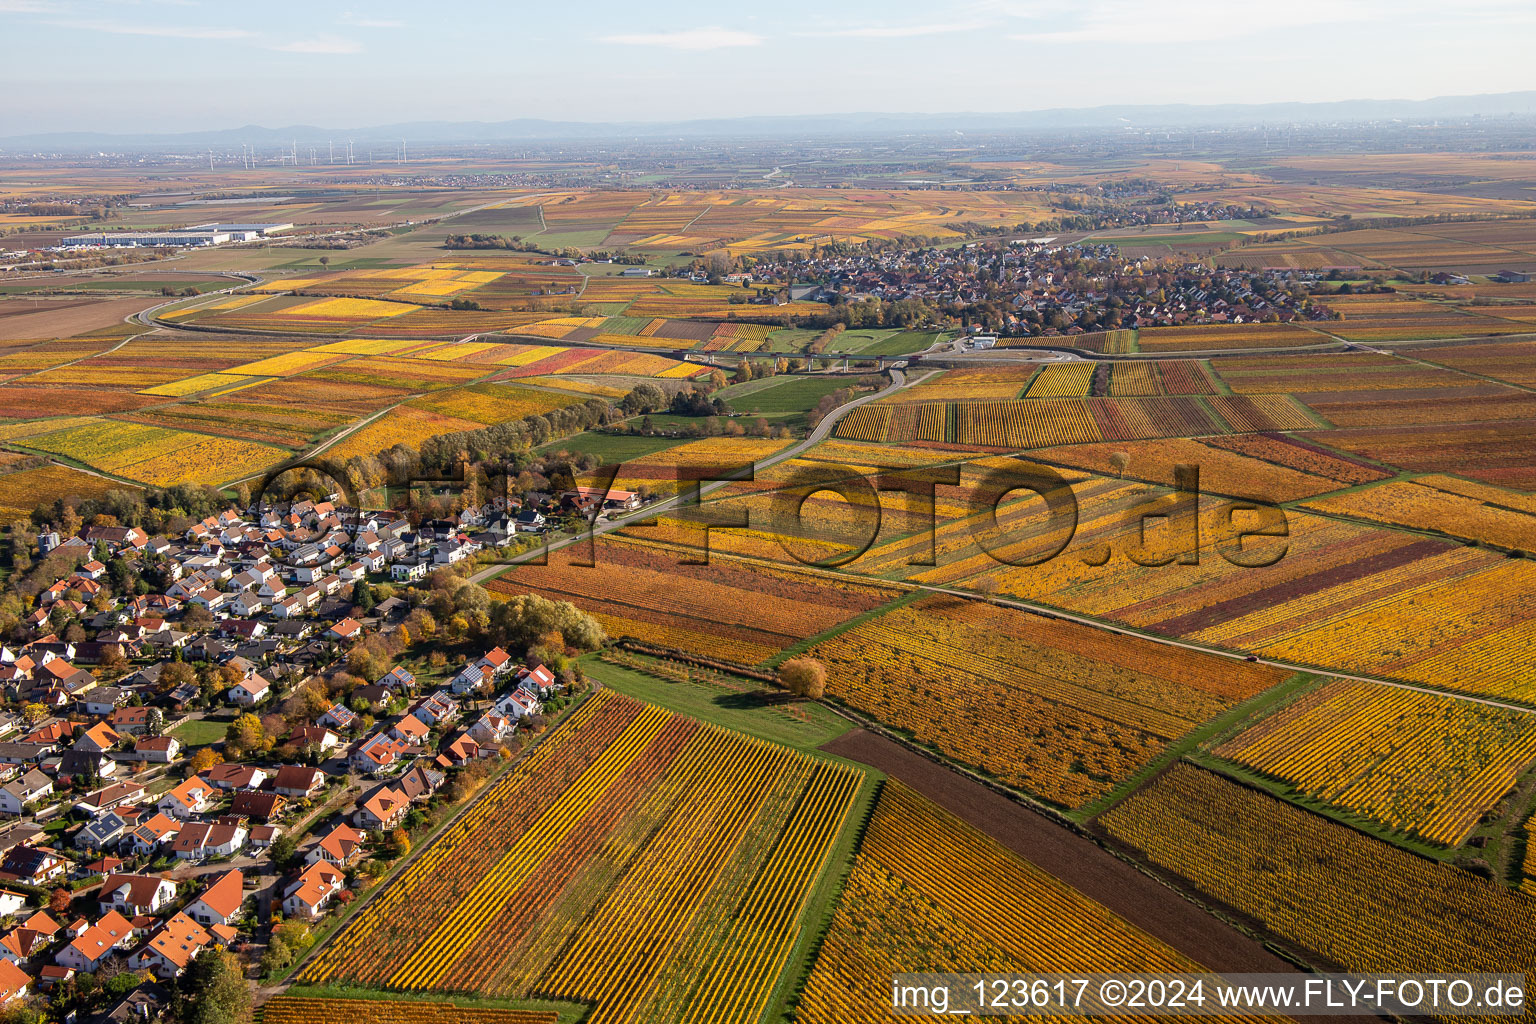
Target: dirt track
[1074, 859]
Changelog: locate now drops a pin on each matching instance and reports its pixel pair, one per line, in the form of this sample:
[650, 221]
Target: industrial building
[203, 234]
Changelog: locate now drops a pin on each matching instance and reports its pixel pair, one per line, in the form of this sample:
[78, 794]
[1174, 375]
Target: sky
[181, 65]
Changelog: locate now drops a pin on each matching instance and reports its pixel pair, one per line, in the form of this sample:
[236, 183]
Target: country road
[822, 431]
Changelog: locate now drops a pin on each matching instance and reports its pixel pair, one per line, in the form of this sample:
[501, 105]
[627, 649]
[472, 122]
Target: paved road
[822, 431]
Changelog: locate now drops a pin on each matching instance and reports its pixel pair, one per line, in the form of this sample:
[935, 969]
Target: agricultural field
[929, 893]
[541, 888]
[1464, 509]
[964, 677]
[288, 1009]
[1419, 763]
[729, 610]
[1341, 896]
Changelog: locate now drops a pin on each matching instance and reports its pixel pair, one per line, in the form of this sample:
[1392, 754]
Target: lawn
[860, 340]
[901, 344]
[791, 339]
[612, 447]
[785, 395]
[800, 724]
[199, 732]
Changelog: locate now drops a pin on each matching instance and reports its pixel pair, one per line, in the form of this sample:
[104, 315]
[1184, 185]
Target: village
[1043, 287]
[230, 759]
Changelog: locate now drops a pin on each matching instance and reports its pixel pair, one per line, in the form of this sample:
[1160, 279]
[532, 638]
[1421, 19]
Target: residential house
[311, 894]
[201, 840]
[377, 754]
[492, 729]
[105, 699]
[15, 983]
[191, 797]
[135, 895]
[112, 796]
[221, 901]
[257, 805]
[155, 750]
[149, 837]
[339, 847]
[496, 663]
[314, 736]
[98, 739]
[91, 948]
[419, 783]
[518, 704]
[102, 831]
[86, 764]
[30, 788]
[171, 949]
[236, 776]
[398, 679]
[410, 730]
[470, 677]
[131, 721]
[345, 631]
[298, 782]
[250, 692]
[436, 708]
[538, 680]
[385, 808]
[338, 716]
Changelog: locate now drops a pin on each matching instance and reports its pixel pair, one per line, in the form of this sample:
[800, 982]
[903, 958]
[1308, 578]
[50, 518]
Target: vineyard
[928, 892]
[1421, 505]
[649, 864]
[1061, 710]
[735, 611]
[308, 1010]
[1036, 422]
[1418, 762]
[1354, 900]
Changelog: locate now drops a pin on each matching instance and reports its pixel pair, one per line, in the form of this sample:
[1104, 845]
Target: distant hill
[801, 126]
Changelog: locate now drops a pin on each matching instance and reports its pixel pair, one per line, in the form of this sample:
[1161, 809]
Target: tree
[526, 619]
[34, 713]
[174, 674]
[398, 844]
[204, 759]
[154, 722]
[113, 662]
[362, 596]
[805, 677]
[246, 736]
[214, 990]
[283, 851]
[1120, 460]
[58, 902]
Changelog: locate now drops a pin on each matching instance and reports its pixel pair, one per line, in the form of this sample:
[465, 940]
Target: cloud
[25, 7]
[1131, 21]
[363, 21]
[714, 38]
[319, 44]
[900, 31]
[162, 31]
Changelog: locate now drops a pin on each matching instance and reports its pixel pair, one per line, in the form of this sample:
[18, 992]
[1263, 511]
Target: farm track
[1074, 858]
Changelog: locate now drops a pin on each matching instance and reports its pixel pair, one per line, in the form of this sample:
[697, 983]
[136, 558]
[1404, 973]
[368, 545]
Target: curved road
[822, 431]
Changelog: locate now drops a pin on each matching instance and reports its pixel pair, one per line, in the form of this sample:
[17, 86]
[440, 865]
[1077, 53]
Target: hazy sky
[170, 65]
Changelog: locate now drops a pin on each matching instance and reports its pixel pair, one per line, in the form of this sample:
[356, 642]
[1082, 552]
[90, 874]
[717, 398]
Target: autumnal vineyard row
[1064, 711]
[647, 863]
[1357, 901]
[1422, 763]
[929, 892]
[308, 1010]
